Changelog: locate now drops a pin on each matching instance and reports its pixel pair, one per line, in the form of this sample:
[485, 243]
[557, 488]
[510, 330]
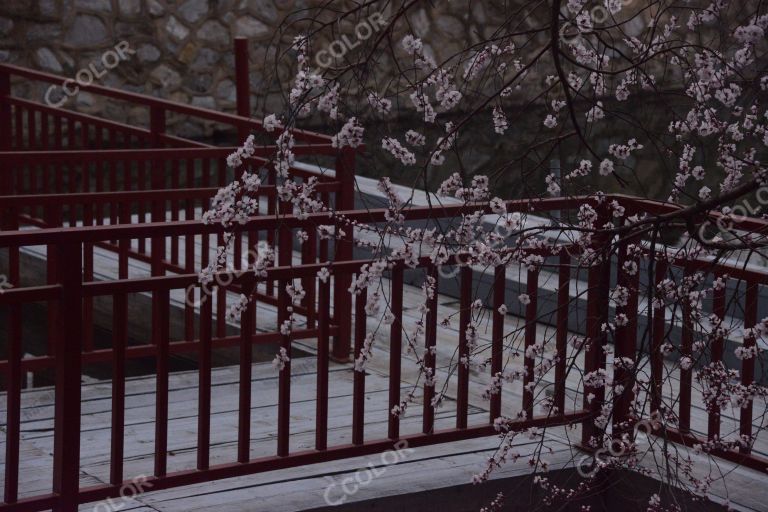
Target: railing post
[157, 181]
[156, 125]
[66, 437]
[345, 200]
[6, 135]
[625, 340]
[242, 85]
[6, 138]
[598, 284]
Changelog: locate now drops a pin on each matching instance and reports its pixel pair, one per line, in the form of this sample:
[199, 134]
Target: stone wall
[183, 48]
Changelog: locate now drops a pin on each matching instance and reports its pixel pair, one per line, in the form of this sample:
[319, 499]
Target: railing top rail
[148, 230]
[103, 123]
[151, 194]
[88, 155]
[149, 101]
[98, 233]
[650, 206]
[102, 233]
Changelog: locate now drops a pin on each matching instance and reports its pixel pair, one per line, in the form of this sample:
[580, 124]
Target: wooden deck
[305, 488]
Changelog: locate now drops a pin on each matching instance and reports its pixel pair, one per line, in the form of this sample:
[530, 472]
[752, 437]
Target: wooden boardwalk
[303, 488]
[306, 487]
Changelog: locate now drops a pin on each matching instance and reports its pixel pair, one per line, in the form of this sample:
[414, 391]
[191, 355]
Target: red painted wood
[120, 315]
[529, 380]
[342, 307]
[561, 337]
[462, 370]
[748, 365]
[358, 385]
[686, 344]
[658, 335]
[66, 441]
[395, 349]
[718, 308]
[625, 341]
[321, 417]
[160, 328]
[246, 362]
[497, 335]
[430, 359]
[204, 385]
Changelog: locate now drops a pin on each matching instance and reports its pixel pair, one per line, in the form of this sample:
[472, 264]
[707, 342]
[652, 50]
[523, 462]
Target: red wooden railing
[70, 291]
[102, 155]
[138, 200]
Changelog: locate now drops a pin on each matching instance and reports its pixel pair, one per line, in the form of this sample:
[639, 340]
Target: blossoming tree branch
[599, 86]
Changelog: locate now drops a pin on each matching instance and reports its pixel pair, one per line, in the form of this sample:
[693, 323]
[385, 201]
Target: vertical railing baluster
[395, 348]
[204, 380]
[189, 254]
[497, 338]
[18, 127]
[358, 385]
[561, 337]
[284, 256]
[718, 309]
[161, 340]
[31, 129]
[141, 184]
[120, 316]
[598, 285]
[462, 368]
[748, 364]
[321, 418]
[221, 299]
[111, 142]
[99, 167]
[309, 256]
[625, 342]
[53, 219]
[246, 364]
[14, 380]
[66, 431]
[342, 301]
[6, 114]
[657, 337]
[160, 326]
[175, 164]
[88, 261]
[430, 357]
[284, 379]
[529, 379]
[686, 347]
[242, 85]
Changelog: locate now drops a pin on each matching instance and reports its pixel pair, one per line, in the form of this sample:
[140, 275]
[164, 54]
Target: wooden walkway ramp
[305, 488]
[320, 485]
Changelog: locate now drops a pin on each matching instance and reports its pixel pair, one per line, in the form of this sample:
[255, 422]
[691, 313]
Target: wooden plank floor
[302, 488]
[429, 468]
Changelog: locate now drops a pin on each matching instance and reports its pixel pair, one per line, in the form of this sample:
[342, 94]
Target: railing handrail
[100, 233]
[150, 101]
[104, 123]
[160, 229]
[74, 288]
[78, 155]
[151, 194]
